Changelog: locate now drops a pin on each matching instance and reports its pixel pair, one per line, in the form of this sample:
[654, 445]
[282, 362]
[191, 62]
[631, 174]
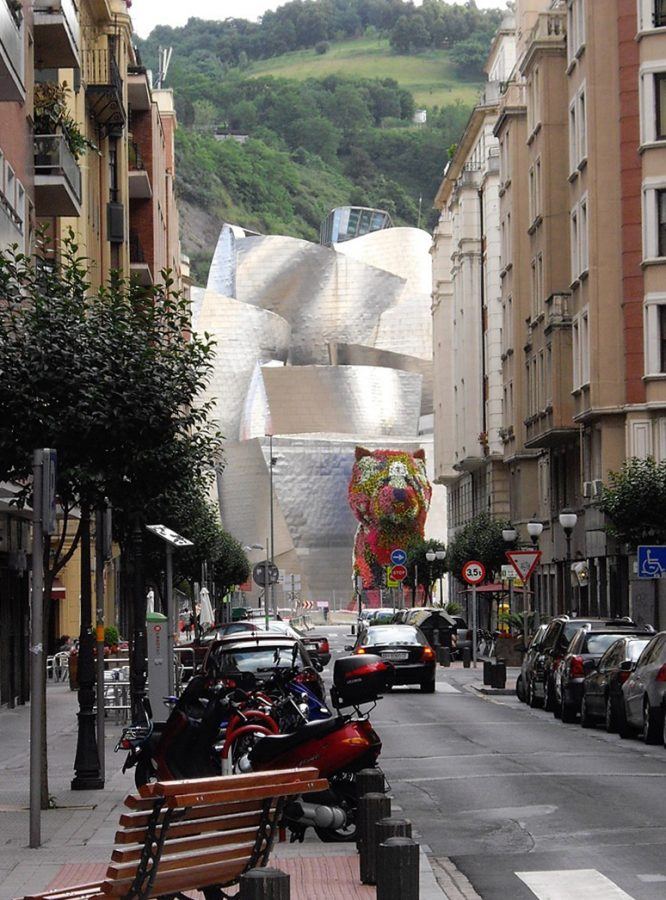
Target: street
[501, 789]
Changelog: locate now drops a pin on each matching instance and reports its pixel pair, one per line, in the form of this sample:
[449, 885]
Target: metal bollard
[499, 674]
[398, 869]
[392, 827]
[353, 629]
[371, 808]
[488, 672]
[444, 656]
[370, 781]
[467, 657]
[264, 884]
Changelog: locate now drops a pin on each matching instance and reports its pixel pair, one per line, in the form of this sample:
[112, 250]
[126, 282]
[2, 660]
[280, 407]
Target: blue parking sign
[398, 557]
[652, 561]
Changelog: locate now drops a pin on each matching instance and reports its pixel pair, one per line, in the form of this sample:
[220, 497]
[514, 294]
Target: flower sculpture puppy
[389, 494]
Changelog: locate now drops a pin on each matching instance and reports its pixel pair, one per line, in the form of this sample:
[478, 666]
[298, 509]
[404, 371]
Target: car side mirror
[317, 665]
[348, 648]
[627, 666]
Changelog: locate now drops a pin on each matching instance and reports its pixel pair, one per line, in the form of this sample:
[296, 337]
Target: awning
[58, 591]
[494, 588]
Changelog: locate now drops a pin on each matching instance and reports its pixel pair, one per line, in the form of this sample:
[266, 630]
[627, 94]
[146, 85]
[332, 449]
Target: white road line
[651, 879]
[572, 884]
[505, 775]
[443, 687]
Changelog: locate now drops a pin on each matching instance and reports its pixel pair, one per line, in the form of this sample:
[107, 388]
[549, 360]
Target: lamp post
[440, 556]
[534, 529]
[509, 535]
[431, 557]
[568, 519]
[271, 463]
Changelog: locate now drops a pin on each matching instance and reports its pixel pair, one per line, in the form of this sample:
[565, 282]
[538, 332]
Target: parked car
[317, 645]
[201, 643]
[553, 649]
[602, 689]
[406, 647]
[585, 650]
[261, 653]
[438, 627]
[644, 693]
[524, 688]
[400, 617]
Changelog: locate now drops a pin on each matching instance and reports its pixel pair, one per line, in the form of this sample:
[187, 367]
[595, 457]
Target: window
[575, 28]
[575, 259]
[660, 104]
[581, 349]
[534, 101]
[661, 222]
[659, 13]
[662, 337]
[578, 130]
[549, 375]
[537, 186]
[582, 127]
[532, 195]
[584, 252]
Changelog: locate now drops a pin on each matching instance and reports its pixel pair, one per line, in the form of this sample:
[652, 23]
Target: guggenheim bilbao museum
[323, 347]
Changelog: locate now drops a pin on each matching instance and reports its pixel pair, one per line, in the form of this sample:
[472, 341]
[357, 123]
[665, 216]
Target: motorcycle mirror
[317, 665]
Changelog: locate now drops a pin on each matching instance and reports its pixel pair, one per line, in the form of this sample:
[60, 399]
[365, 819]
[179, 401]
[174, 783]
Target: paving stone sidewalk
[78, 832]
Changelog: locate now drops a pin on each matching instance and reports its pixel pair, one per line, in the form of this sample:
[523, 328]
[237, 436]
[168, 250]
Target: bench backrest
[196, 833]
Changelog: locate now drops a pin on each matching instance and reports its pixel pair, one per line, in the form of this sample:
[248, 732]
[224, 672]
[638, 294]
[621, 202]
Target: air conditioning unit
[587, 489]
[597, 487]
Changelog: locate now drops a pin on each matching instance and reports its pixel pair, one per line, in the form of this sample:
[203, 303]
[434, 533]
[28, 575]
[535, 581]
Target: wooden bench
[199, 834]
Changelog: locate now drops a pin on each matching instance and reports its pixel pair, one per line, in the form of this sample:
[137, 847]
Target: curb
[494, 692]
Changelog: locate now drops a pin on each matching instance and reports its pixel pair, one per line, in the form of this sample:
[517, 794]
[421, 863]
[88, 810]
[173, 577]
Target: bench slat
[176, 863]
[185, 879]
[136, 820]
[217, 783]
[190, 829]
[214, 839]
[178, 801]
[79, 892]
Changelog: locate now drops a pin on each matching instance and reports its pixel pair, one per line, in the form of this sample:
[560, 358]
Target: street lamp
[271, 462]
[509, 535]
[440, 556]
[568, 519]
[534, 530]
[431, 556]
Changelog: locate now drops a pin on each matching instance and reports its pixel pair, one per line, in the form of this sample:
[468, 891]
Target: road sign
[398, 557]
[398, 573]
[508, 573]
[473, 572]
[171, 537]
[261, 569]
[652, 561]
[524, 562]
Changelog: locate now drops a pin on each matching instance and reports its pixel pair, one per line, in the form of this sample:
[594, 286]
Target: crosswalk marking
[572, 884]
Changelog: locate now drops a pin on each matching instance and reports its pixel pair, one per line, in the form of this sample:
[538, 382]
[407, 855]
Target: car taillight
[428, 653]
[577, 667]
[324, 646]
[622, 675]
[661, 674]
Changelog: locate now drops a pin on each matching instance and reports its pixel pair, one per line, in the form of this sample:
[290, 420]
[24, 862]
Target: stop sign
[398, 573]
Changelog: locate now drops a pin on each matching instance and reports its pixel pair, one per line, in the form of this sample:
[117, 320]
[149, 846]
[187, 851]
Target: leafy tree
[315, 134]
[205, 114]
[469, 56]
[427, 573]
[322, 47]
[231, 566]
[481, 540]
[634, 501]
[410, 34]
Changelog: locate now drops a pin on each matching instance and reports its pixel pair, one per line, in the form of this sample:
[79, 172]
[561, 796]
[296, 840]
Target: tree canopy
[480, 540]
[634, 501]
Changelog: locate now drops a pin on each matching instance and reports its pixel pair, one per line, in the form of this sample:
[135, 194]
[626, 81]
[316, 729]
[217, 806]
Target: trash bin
[498, 674]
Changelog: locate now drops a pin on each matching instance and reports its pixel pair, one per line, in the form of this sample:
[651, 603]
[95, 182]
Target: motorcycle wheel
[343, 788]
[337, 835]
[144, 773]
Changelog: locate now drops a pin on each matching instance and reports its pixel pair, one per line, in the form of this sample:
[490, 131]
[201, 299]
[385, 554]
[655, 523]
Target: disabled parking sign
[651, 561]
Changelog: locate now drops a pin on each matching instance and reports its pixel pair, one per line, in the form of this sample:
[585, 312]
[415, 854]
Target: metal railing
[136, 250]
[100, 68]
[11, 226]
[53, 157]
[11, 38]
[68, 10]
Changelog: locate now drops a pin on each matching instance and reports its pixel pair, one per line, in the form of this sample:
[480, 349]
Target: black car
[583, 654]
[406, 647]
[602, 689]
[524, 689]
[553, 649]
[260, 653]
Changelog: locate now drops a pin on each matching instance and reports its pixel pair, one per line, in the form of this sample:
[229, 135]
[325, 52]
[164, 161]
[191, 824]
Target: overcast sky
[148, 13]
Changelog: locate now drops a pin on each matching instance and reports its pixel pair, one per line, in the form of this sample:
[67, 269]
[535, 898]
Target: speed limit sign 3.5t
[473, 572]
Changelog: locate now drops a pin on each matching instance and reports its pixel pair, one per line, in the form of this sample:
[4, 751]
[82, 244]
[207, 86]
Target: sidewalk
[78, 833]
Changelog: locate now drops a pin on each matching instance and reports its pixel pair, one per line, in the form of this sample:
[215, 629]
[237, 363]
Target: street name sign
[398, 557]
[524, 562]
[171, 537]
[652, 561]
[398, 573]
[473, 572]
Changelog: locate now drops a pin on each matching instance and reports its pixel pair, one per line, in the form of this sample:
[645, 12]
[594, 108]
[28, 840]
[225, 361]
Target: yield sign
[524, 562]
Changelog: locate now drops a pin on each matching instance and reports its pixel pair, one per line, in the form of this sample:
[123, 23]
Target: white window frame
[575, 244]
[647, 100]
[576, 30]
[651, 217]
[583, 236]
[646, 16]
[651, 335]
[580, 345]
[573, 138]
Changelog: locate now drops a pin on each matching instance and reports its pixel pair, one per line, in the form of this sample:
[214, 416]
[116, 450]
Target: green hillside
[429, 76]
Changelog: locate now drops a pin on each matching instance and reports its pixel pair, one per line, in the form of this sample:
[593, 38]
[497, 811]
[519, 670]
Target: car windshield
[393, 634]
[257, 659]
[282, 628]
[599, 643]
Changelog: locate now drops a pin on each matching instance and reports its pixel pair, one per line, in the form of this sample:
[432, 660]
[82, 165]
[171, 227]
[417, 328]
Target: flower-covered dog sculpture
[389, 494]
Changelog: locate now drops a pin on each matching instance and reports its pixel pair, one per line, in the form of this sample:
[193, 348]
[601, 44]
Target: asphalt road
[515, 798]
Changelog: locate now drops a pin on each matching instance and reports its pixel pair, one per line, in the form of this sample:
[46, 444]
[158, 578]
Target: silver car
[644, 693]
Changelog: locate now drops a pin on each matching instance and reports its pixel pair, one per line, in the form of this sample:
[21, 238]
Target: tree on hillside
[409, 35]
[469, 56]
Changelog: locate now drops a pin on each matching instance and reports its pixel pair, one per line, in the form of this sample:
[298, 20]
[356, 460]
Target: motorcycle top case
[360, 679]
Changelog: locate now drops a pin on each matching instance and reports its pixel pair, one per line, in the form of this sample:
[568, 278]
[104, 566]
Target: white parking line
[572, 884]
[443, 687]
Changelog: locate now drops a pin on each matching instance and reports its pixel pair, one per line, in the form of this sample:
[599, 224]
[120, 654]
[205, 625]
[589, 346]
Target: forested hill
[338, 130]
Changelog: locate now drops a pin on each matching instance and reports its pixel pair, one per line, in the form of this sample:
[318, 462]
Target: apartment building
[85, 144]
[467, 311]
[582, 217]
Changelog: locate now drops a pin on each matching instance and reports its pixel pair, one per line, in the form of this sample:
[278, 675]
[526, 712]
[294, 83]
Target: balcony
[57, 177]
[139, 181]
[12, 54]
[139, 269]
[57, 34]
[138, 89]
[11, 227]
[104, 89]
